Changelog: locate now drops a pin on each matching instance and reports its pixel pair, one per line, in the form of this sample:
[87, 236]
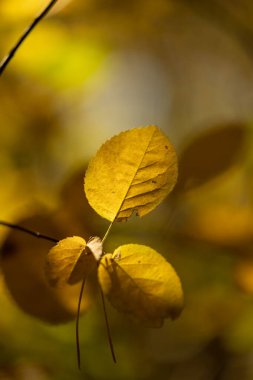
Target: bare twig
[30, 232]
[77, 325]
[107, 326]
[105, 314]
[26, 33]
[104, 307]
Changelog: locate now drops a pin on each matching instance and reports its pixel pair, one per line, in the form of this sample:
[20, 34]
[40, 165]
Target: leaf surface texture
[68, 261]
[132, 172]
[139, 281]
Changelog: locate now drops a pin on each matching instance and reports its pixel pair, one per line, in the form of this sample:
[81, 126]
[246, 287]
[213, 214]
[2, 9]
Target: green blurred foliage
[89, 70]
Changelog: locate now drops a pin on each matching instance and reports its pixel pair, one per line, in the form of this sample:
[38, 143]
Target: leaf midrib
[138, 167]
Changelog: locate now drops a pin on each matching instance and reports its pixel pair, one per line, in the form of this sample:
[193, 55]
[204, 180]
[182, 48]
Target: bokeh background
[91, 69]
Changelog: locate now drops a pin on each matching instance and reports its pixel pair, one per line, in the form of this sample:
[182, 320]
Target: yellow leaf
[22, 265]
[209, 154]
[132, 172]
[244, 275]
[139, 281]
[224, 224]
[68, 261]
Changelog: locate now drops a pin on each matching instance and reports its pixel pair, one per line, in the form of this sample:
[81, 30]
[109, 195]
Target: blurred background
[91, 69]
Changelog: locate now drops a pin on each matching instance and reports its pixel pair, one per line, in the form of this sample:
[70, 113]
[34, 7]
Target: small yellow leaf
[139, 281]
[132, 172]
[68, 261]
[22, 266]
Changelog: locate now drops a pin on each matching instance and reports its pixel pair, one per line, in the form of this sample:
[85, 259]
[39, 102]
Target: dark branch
[26, 230]
[12, 52]
[77, 325]
[107, 326]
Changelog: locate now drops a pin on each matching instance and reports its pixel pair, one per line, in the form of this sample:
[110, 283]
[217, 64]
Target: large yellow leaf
[139, 281]
[69, 262]
[132, 172]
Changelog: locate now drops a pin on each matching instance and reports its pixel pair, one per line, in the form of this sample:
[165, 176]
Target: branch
[78, 353]
[109, 336]
[26, 33]
[77, 325]
[26, 230]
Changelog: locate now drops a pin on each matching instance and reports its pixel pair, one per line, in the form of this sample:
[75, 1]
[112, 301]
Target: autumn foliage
[95, 69]
[131, 173]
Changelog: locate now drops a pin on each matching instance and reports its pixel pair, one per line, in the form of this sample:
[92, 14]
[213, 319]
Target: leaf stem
[77, 325]
[103, 303]
[28, 231]
[78, 354]
[107, 326]
[12, 52]
[107, 232]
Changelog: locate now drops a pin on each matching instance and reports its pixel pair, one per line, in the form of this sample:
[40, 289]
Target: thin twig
[12, 52]
[107, 326]
[77, 325]
[28, 231]
[104, 307]
[78, 354]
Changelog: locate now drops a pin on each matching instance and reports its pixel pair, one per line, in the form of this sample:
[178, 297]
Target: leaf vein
[119, 210]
